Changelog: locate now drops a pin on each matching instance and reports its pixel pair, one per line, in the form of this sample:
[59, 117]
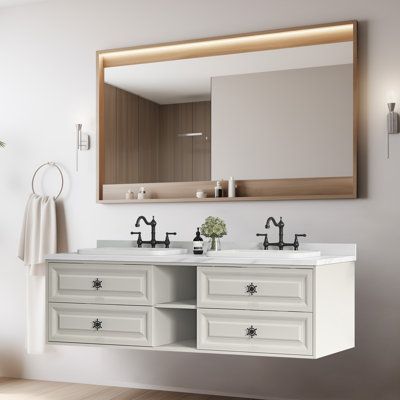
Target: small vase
[214, 244]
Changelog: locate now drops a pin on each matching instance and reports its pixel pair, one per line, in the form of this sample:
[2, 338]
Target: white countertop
[331, 254]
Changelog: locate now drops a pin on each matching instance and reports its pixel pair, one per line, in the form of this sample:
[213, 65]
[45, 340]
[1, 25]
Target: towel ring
[51, 164]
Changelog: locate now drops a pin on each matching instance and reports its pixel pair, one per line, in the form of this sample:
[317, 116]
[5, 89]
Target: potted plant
[2, 144]
[213, 228]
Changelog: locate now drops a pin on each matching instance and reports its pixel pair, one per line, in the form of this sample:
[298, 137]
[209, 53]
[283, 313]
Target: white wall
[295, 123]
[47, 83]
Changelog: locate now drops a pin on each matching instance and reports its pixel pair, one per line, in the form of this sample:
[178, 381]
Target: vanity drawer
[281, 289]
[255, 331]
[100, 283]
[118, 325]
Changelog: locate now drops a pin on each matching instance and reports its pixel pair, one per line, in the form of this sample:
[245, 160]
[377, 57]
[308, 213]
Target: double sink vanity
[242, 300]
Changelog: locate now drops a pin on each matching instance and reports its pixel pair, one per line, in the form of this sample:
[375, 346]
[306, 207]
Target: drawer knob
[251, 289]
[97, 284]
[251, 332]
[97, 324]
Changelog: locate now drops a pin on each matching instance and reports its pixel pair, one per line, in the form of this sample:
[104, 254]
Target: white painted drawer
[116, 284]
[119, 325]
[281, 289]
[274, 332]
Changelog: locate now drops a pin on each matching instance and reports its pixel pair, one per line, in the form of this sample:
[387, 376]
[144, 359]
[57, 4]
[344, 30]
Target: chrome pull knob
[251, 332]
[251, 289]
[97, 284]
[97, 324]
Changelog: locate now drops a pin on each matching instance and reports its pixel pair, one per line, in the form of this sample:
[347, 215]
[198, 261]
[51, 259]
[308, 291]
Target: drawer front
[100, 283]
[270, 332]
[98, 324]
[280, 289]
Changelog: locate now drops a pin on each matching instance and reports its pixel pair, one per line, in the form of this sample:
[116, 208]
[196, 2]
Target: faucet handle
[265, 243]
[167, 241]
[139, 239]
[296, 240]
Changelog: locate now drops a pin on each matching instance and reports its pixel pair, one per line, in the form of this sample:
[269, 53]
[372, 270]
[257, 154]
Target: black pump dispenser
[198, 243]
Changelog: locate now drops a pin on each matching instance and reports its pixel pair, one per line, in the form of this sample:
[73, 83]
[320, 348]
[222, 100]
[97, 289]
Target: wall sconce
[392, 124]
[82, 142]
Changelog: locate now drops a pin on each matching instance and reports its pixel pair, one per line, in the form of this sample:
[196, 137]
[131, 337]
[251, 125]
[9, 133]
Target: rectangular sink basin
[132, 251]
[265, 254]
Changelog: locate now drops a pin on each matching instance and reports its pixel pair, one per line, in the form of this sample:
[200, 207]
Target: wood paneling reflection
[110, 122]
[126, 157]
[183, 144]
[144, 142]
[166, 156]
[202, 144]
[185, 158]
[149, 115]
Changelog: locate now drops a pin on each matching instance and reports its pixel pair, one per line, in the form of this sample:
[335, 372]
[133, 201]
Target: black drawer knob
[97, 324]
[97, 284]
[251, 332]
[251, 289]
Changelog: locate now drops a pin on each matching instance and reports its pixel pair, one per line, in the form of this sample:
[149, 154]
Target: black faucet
[280, 244]
[153, 241]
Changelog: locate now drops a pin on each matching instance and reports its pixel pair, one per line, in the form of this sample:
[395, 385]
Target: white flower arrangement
[213, 227]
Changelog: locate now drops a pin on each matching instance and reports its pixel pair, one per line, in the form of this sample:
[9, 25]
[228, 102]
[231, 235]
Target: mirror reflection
[273, 114]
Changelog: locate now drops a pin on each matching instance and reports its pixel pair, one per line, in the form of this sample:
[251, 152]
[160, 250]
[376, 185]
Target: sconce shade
[392, 119]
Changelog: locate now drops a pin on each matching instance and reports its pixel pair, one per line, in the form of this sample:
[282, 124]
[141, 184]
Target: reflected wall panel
[202, 144]
[127, 137]
[148, 145]
[167, 133]
[183, 145]
[110, 118]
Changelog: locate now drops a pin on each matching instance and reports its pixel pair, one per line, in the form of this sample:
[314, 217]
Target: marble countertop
[330, 254]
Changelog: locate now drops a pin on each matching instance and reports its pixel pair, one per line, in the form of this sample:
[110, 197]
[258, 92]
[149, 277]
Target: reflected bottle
[218, 190]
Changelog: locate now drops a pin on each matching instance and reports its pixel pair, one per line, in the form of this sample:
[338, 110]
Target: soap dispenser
[198, 243]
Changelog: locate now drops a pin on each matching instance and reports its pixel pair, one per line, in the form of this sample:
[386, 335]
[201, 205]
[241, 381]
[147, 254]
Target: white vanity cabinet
[302, 311]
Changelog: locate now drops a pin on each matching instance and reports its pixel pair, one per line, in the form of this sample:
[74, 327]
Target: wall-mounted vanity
[263, 304]
[277, 110]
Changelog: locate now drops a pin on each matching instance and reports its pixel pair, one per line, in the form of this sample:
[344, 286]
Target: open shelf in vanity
[299, 311]
[188, 304]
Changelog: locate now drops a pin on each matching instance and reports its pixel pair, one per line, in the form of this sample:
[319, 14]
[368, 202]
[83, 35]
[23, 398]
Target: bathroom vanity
[290, 305]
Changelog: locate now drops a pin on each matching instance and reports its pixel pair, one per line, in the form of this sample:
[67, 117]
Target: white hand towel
[38, 239]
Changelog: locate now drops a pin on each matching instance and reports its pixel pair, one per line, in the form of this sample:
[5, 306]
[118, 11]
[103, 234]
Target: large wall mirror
[276, 110]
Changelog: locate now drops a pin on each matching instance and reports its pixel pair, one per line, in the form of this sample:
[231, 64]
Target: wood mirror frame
[261, 189]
